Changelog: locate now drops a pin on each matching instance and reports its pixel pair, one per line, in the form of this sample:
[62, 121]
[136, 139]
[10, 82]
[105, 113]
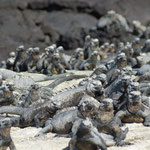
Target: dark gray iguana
[130, 107]
[134, 110]
[20, 58]
[31, 61]
[105, 122]
[6, 95]
[87, 137]
[121, 62]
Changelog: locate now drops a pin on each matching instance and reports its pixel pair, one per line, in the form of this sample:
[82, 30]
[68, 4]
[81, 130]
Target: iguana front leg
[147, 121]
[97, 140]
[120, 136]
[12, 146]
[45, 130]
[72, 143]
[119, 116]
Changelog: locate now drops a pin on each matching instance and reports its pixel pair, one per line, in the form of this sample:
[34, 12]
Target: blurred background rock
[64, 22]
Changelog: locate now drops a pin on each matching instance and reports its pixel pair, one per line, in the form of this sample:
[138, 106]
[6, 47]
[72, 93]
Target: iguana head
[106, 105]
[87, 39]
[12, 55]
[100, 69]
[34, 92]
[56, 58]
[94, 88]
[134, 101]
[60, 50]
[88, 106]
[133, 86]
[103, 78]
[8, 90]
[121, 60]
[85, 127]
[21, 51]
[36, 53]
[105, 114]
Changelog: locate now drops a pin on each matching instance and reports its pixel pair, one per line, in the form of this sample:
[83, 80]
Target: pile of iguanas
[92, 112]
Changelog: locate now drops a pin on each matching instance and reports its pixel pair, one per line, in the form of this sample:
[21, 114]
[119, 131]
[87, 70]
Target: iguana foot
[123, 143]
[39, 134]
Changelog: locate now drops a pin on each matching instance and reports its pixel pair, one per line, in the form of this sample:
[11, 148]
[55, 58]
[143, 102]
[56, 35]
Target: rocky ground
[24, 139]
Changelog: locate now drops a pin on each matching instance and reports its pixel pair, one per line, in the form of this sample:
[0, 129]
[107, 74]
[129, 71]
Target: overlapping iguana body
[105, 122]
[62, 100]
[29, 116]
[55, 67]
[117, 88]
[63, 121]
[40, 63]
[91, 62]
[133, 110]
[121, 62]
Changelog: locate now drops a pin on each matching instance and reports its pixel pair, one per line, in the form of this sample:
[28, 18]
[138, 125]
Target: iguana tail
[12, 110]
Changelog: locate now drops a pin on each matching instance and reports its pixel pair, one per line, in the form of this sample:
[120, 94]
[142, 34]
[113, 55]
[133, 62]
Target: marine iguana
[6, 95]
[133, 110]
[105, 122]
[87, 137]
[20, 58]
[5, 138]
[31, 61]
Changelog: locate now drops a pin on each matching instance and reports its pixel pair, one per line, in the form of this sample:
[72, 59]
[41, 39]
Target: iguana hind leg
[45, 130]
[147, 121]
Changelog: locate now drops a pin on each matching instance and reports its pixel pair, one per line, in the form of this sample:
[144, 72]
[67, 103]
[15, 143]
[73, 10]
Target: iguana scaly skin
[63, 121]
[67, 98]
